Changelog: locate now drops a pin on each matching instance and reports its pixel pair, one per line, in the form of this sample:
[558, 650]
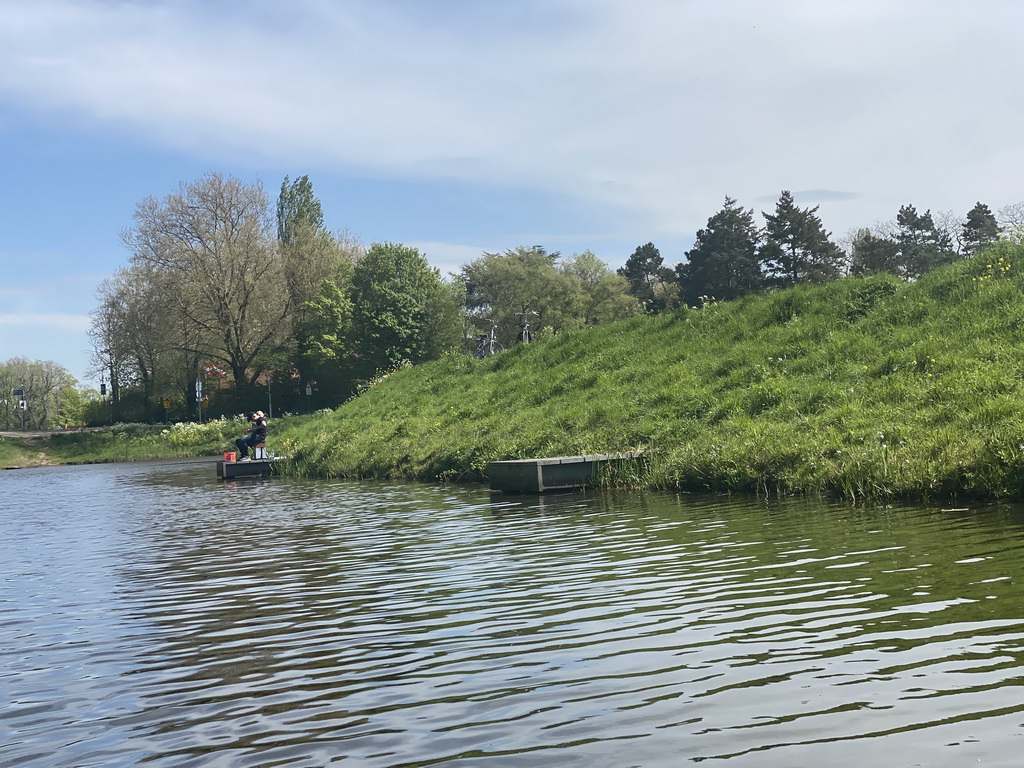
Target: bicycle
[524, 337]
[488, 345]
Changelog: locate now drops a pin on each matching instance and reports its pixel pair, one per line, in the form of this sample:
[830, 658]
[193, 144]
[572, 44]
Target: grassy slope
[18, 452]
[862, 388]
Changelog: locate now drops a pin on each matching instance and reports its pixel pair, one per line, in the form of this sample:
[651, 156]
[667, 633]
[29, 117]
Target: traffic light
[103, 388]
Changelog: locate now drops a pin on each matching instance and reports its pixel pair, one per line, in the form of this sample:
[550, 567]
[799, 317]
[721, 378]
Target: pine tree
[922, 246]
[980, 229]
[872, 255]
[723, 262]
[650, 281]
[797, 249]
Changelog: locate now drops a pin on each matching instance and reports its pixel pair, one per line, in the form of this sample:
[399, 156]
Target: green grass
[16, 452]
[863, 389]
[132, 442]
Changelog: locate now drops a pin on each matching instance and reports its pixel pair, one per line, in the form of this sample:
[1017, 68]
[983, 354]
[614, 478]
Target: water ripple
[170, 621]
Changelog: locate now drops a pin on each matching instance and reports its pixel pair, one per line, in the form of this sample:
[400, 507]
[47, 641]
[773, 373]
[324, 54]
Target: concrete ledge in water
[560, 473]
[230, 469]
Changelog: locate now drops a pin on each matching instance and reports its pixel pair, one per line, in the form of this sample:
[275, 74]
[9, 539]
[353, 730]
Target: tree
[723, 263]
[500, 287]
[401, 310]
[797, 249]
[1011, 222]
[213, 245]
[979, 229]
[311, 254]
[297, 206]
[871, 254]
[325, 336]
[47, 389]
[131, 340]
[652, 283]
[606, 295]
[312, 257]
[144, 345]
[325, 344]
[922, 246]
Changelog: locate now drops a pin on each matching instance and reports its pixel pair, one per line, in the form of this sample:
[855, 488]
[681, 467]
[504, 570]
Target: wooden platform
[561, 473]
[227, 470]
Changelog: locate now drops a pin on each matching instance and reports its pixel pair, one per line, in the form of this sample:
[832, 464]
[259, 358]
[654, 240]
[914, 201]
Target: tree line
[733, 255]
[227, 301]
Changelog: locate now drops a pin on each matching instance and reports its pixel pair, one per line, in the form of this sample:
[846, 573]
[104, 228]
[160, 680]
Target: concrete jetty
[560, 473]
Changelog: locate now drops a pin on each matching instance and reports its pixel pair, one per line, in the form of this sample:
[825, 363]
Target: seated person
[257, 435]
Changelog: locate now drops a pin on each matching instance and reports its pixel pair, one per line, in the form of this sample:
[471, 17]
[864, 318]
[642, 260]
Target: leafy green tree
[872, 254]
[401, 310]
[325, 343]
[500, 287]
[606, 295]
[796, 248]
[297, 206]
[922, 246]
[312, 256]
[979, 229]
[48, 390]
[723, 263]
[310, 253]
[650, 281]
[74, 404]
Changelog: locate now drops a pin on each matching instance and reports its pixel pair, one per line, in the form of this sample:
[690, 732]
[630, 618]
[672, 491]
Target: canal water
[151, 615]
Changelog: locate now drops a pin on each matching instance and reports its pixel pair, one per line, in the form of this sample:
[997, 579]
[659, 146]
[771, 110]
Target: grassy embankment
[861, 389]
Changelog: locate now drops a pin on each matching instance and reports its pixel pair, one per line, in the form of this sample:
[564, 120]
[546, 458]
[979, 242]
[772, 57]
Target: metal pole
[199, 397]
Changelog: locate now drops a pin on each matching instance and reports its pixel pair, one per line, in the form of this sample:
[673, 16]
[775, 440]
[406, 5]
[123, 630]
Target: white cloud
[656, 107]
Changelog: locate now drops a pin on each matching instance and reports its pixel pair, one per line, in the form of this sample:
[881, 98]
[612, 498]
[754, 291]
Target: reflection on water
[151, 615]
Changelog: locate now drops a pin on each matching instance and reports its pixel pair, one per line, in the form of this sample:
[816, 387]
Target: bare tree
[213, 246]
[128, 330]
[1011, 222]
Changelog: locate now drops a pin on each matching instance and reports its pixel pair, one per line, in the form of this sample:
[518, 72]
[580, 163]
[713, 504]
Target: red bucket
[229, 456]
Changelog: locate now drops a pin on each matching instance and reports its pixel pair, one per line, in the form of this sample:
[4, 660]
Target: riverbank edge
[863, 389]
[30, 452]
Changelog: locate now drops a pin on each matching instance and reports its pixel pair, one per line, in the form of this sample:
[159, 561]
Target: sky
[468, 126]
